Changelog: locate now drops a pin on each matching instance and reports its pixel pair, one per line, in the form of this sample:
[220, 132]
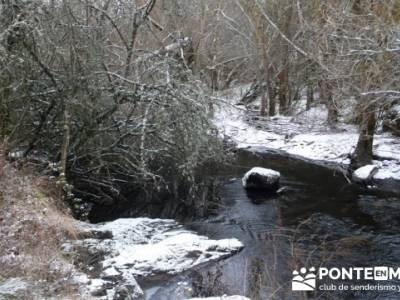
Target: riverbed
[318, 219]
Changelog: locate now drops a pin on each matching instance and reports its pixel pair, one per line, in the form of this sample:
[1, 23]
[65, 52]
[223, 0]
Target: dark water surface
[319, 220]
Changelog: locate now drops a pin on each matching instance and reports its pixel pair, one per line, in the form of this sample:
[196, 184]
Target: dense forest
[116, 101]
[118, 94]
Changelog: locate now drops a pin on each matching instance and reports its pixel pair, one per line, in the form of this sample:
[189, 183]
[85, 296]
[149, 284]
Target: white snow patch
[81, 278]
[388, 169]
[96, 285]
[229, 121]
[365, 173]
[333, 147]
[387, 148]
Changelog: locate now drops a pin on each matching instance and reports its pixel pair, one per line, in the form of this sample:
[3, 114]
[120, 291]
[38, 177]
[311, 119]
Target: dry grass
[33, 225]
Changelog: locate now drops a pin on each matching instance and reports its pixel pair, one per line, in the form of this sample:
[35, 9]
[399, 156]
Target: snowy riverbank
[126, 249]
[304, 135]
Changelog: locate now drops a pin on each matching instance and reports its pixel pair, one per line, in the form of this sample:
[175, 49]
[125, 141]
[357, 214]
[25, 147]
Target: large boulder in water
[261, 178]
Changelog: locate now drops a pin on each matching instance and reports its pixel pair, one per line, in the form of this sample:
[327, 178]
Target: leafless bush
[114, 120]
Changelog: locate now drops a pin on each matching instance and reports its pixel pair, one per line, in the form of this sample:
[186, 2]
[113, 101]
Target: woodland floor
[304, 134]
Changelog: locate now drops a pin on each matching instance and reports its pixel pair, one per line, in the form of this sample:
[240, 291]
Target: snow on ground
[146, 247]
[222, 298]
[305, 134]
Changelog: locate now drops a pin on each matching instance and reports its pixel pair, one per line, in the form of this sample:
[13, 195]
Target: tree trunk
[264, 101]
[310, 95]
[263, 71]
[283, 91]
[363, 153]
[214, 80]
[327, 98]
[272, 102]
[264, 85]
[283, 77]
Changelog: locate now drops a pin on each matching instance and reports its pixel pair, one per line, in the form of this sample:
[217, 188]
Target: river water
[318, 220]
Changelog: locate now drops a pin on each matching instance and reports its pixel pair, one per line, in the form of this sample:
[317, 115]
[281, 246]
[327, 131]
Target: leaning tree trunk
[363, 153]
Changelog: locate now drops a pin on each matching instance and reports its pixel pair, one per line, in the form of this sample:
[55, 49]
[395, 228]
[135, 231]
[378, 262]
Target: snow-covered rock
[365, 173]
[107, 289]
[224, 297]
[145, 247]
[173, 254]
[261, 178]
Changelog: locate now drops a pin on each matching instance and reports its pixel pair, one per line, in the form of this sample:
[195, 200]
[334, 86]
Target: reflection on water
[318, 219]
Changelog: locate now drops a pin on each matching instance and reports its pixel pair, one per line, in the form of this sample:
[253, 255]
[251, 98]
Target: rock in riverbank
[365, 173]
[144, 247]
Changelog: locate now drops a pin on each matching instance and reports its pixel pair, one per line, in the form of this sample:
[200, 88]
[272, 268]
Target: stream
[318, 220]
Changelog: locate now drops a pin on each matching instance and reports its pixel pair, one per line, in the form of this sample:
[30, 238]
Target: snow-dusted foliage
[111, 126]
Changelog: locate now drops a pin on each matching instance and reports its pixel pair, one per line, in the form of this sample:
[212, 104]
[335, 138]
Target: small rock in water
[261, 178]
[365, 173]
